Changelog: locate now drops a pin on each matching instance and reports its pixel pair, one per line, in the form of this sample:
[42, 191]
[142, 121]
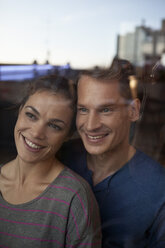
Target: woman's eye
[30, 115]
[54, 126]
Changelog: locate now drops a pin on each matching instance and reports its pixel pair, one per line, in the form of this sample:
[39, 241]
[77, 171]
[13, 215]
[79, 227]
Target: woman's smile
[31, 145]
[39, 133]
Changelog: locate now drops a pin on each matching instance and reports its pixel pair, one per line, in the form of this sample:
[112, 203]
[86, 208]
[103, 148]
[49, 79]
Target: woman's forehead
[47, 99]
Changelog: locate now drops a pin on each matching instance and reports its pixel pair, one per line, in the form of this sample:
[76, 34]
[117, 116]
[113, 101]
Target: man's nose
[93, 121]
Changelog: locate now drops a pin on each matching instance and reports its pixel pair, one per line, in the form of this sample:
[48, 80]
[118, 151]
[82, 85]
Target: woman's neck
[45, 170]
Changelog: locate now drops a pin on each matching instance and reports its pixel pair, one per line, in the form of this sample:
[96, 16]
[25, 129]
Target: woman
[43, 203]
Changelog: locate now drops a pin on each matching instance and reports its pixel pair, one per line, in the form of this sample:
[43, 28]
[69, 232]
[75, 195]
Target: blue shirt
[131, 201]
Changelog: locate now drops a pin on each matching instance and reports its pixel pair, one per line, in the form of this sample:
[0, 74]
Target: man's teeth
[32, 145]
[96, 137]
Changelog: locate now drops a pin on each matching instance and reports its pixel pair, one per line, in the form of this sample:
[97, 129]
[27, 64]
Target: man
[129, 186]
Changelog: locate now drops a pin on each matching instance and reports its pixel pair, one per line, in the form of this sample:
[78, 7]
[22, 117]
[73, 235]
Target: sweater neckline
[36, 198]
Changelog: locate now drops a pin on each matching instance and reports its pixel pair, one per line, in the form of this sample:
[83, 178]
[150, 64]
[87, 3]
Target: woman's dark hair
[52, 83]
[55, 84]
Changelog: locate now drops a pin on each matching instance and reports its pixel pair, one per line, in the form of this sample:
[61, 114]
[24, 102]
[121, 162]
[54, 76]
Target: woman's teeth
[32, 145]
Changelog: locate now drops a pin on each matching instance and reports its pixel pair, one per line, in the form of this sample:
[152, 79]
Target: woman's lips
[32, 146]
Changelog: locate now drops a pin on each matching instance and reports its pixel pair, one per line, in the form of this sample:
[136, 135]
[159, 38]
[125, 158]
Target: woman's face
[42, 126]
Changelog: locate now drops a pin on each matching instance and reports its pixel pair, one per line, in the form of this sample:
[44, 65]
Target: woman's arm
[84, 228]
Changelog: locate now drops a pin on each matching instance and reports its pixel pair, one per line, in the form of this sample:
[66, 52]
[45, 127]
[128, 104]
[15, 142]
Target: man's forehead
[102, 102]
[101, 92]
[89, 85]
[87, 78]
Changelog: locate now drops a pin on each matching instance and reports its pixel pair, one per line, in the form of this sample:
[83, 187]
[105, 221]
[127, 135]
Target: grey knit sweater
[64, 215]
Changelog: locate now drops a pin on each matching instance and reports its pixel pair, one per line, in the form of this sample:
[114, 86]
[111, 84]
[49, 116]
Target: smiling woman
[39, 131]
[43, 203]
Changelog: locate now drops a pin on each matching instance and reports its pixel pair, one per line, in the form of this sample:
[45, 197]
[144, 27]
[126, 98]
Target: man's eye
[106, 110]
[54, 126]
[82, 110]
[30, 116]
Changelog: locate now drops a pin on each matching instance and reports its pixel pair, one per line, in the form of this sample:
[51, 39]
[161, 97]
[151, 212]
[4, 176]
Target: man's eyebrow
[109, 104]
[113, 105]
[80, 105]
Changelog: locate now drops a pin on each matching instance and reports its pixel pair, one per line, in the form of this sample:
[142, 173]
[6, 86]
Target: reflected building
[145, 49]
[143, 46]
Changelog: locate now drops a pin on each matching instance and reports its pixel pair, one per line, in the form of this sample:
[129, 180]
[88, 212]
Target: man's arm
[157, 231]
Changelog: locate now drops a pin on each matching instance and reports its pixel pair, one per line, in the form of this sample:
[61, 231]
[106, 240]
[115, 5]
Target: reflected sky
[82, 32]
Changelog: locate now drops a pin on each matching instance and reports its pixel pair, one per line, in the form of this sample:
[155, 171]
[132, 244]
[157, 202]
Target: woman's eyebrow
[57, 120]
[51, 120]
[32, 108]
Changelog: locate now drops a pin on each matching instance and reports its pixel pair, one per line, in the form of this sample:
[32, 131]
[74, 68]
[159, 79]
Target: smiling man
[129, 186]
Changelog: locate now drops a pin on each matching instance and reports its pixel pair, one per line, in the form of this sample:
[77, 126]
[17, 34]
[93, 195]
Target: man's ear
[134, 111]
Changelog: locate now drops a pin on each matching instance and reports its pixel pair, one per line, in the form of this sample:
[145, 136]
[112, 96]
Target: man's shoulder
[144, 162]
[147, 172]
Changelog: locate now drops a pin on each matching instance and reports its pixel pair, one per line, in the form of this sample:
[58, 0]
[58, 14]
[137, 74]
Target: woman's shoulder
[73, 183]
[6, 169]
[5, 174]
[72, 178]
[72, 188]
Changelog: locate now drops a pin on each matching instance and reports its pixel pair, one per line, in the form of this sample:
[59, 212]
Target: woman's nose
[38, 131]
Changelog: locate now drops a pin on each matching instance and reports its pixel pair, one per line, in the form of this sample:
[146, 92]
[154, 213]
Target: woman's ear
[134, 112]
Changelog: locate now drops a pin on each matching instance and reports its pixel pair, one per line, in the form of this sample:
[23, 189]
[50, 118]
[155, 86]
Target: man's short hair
[120, 70]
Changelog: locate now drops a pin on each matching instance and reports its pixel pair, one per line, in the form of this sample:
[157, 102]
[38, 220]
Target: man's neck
[108, 163]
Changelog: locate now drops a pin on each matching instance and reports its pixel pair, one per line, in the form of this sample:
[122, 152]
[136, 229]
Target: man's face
[103, 116]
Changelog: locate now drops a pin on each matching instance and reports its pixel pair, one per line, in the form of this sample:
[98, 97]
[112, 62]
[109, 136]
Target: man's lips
[96, 137]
